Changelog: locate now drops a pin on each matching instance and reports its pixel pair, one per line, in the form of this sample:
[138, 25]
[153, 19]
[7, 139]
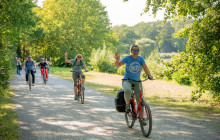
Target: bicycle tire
[130, 120]
[82, 96]
[78, 94]
[146, 123]
[44, 79]
[29, 80]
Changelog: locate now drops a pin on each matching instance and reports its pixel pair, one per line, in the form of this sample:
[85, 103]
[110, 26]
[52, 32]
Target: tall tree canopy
[16, 23]
[74, 25]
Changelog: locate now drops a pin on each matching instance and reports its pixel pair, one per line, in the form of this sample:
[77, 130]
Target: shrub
[121, 70]
[181, 77]
[103, 60]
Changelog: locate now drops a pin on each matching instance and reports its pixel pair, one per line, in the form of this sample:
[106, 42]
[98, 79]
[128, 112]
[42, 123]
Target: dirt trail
[49, 112]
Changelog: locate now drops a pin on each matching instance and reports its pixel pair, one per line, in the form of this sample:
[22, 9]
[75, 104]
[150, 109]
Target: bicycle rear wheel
[130, 119]
[146, 122]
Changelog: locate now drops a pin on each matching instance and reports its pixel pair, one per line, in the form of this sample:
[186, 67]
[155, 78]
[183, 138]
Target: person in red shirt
[43, 66]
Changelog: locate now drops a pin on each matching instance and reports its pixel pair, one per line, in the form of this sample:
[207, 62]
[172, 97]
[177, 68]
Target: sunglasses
[79, 57]
[135, 51]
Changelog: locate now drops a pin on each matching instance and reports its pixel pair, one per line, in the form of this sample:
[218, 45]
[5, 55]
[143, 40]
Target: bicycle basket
[120, 101]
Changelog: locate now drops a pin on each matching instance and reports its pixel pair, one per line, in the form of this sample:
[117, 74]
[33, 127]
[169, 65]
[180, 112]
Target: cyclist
[77, 63]
[134, 64]
[30, 66]
[43, 68]
[48, 64]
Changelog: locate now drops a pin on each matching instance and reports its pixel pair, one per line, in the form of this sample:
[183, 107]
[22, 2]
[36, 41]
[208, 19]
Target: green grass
[8, 117]
[185, 107]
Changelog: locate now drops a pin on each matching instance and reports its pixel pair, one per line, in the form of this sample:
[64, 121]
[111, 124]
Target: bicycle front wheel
[29, 81]
[130, 119]
[146, 121]
[44, 79]
[82, 96]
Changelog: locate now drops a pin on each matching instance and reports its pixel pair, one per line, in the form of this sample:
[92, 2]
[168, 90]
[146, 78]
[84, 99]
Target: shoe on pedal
[76, 96]
[127, 108]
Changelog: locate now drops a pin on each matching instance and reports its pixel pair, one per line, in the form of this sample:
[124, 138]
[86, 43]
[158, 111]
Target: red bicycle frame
[134, 110]
[79, 84]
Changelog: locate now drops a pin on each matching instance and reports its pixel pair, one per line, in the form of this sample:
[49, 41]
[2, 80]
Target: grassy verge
[8, 117]
[167, 94]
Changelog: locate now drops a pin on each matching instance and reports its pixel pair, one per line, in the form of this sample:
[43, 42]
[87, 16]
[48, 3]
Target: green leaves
[74, 26]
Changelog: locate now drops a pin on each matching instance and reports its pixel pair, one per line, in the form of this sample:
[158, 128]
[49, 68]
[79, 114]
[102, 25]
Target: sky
[127, 13]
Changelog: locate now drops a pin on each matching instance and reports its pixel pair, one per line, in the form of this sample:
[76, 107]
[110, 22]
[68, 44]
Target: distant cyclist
[30, 66]
[134, 64]
[48, 64]
[43, 68]
[77, 63]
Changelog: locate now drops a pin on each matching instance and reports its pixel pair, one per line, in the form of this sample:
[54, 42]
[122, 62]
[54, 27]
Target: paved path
[48, 112]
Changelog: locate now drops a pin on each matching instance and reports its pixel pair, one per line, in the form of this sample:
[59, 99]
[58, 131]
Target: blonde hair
[79, 55]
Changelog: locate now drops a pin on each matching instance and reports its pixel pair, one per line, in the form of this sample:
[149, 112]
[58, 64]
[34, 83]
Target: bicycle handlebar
[137, 81]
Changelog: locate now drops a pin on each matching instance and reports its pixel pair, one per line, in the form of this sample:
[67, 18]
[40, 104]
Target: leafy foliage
[200, 60]
[102, 60]
[74, 26]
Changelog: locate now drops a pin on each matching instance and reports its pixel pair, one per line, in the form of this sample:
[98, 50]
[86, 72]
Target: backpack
[74, 63]
[120, 101]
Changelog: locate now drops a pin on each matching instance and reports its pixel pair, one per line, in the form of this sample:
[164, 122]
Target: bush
[103, 61]
[121, 70]
[155, 65]
[104, 66]
[4, 73]
[182, 78]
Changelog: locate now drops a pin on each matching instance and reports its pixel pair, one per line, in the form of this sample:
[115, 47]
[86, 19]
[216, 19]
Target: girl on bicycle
[134, 64]
[43, 68]
[77, 63]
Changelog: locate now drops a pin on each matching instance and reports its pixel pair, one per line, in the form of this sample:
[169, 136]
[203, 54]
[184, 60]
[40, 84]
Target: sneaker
[127, 108]
[26, 82]
[33, 84]
[76, 96]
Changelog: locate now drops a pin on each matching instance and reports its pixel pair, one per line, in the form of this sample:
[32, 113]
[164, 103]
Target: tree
[76, 26]
[16, 20]
[165, 39]
[202, 49]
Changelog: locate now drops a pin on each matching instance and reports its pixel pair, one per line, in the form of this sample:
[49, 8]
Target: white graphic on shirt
[134, 67]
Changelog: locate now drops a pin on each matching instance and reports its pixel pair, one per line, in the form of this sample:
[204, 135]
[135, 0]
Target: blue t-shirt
[29, 65]
[133, 67]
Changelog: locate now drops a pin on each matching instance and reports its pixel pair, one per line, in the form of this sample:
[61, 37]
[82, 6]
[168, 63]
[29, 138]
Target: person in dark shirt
[30, 67]
[43, 68]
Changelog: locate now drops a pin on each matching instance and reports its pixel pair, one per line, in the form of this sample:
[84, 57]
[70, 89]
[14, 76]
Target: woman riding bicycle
[43, 68]
[77, 63]
[134, 64]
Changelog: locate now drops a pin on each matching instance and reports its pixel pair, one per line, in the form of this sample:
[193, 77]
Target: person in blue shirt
[30, 66]
[134, 64]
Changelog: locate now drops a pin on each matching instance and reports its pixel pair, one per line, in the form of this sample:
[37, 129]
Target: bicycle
[142, 112]
[44, 76]
[80, 90]
[29, 79]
